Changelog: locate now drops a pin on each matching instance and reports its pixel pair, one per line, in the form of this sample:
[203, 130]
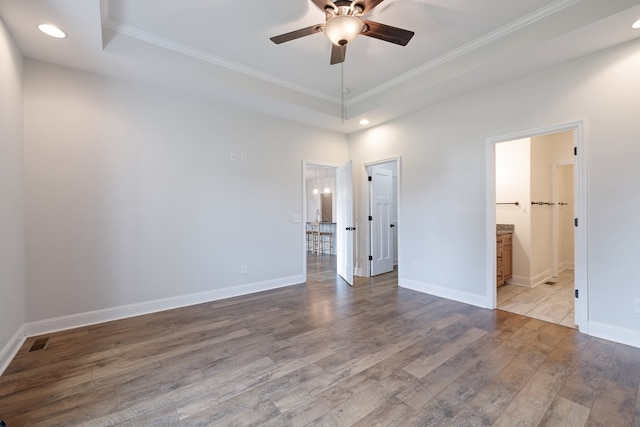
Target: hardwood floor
[549, 302]
[324, 354]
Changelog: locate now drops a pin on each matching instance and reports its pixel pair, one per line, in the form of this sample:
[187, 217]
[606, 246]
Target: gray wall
[12, 271]
[132, 195]
[444, 177]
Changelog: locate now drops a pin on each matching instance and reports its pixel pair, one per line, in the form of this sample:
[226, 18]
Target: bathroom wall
[513, 184]
[524, 173]
[547, 151]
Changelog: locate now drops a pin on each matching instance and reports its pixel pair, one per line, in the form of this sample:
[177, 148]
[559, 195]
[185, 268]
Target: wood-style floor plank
[326, 354]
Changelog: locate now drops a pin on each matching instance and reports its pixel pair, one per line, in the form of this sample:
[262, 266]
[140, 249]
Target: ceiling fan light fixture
[342, 29]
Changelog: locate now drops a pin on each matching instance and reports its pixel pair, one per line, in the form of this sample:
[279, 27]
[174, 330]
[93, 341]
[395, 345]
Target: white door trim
[580, 199]
[364, 269]
[380, 226]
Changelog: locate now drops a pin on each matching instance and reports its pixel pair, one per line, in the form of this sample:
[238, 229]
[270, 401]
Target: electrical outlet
[637, 301]
[244, 270]
[243, 158]
[416, 266]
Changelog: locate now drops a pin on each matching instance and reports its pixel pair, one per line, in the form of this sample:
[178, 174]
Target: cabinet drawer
[504, 240]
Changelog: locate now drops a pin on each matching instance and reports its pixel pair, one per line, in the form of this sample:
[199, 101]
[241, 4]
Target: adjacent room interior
[534, 223]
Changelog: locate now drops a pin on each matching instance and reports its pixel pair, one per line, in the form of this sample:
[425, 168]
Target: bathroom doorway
[535, 216]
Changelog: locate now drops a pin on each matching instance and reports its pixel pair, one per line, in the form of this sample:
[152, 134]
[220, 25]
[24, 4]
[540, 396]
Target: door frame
[364, 266]
[580, 212]
[303, 233]
[374, 231]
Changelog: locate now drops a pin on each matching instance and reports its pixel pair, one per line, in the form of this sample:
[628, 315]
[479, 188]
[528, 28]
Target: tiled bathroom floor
[552, 303]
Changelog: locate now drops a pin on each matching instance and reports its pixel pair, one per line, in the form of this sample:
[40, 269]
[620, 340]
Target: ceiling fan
[343, 24]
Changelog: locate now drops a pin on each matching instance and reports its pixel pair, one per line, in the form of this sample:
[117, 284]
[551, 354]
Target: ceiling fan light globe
[342, 29]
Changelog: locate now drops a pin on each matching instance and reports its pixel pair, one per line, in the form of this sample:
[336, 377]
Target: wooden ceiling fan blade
[368, 5]
[387, 33]
[338, 54]
[297, 34]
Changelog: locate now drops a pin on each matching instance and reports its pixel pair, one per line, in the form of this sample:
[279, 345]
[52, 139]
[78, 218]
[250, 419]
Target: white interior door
[345, 227]
[380, 220]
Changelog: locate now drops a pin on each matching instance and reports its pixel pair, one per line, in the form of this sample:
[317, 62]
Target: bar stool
[313, 236]
[326, 238]
[309, 232]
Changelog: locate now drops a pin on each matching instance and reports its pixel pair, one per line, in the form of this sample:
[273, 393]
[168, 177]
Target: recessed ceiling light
[636, 24]
[364, 122]
[52, 30]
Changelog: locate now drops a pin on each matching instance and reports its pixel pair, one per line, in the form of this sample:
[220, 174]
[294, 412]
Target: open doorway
[534, 226]
[320, 218]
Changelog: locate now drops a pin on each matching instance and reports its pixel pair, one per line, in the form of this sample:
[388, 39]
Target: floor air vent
[39, 344]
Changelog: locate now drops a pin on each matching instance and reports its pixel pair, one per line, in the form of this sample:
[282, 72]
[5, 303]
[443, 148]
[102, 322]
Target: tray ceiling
[222, 49]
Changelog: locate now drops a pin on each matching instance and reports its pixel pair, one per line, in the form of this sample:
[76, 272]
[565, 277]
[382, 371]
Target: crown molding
[147, 37]
[468, 48]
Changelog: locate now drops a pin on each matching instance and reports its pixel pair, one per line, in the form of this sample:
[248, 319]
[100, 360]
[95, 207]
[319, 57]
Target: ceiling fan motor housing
[343, 23]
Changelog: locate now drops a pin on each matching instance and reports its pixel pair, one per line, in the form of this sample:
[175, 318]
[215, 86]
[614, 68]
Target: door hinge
[575, 222]
[370, 257]
[575, 151]
[370, 178]
[370, 218]
[577, 294]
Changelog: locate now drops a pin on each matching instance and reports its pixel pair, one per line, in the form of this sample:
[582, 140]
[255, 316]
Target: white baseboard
[520, 281]
[615, 333]
[567, 265]
[452, 294]
[531, 282]
[106, 315]
[11, 349]
[541, 278]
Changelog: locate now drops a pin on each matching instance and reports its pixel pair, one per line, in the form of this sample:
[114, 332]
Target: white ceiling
[221, 49]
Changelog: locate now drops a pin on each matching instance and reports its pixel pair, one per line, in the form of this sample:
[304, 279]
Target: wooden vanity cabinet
[504, 255]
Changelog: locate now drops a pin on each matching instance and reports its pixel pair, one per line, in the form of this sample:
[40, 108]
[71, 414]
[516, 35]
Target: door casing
[580, 212]
[380, 221]
[364, 266]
